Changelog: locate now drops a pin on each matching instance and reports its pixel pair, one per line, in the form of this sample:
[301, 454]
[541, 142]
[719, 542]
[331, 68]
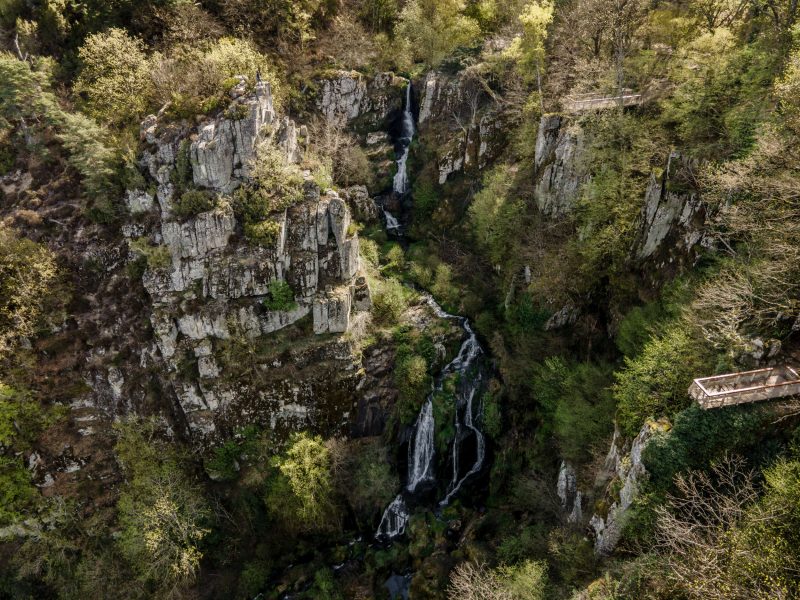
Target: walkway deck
[745, 387]
[586, 102]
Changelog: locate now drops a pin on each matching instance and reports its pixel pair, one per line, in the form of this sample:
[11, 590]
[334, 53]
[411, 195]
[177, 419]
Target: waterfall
[421, 449]
[394, 519]
[421, 455]
[420, 452]
[391, 221]
[406, 135]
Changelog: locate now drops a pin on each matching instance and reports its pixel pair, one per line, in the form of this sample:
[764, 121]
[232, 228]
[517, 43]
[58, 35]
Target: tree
[28, 104]
[28, 273]
[526, 581]
[718, 13]
[529, 47]
[114, 77]
[161, 511]
[720, 541]
[301, 491]
[286, 21]
[435, 28]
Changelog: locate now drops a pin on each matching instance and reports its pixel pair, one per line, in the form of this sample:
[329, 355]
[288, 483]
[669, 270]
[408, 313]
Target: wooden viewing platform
[584, 102]
[744, 387]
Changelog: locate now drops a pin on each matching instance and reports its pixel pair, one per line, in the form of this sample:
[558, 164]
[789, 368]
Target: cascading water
[406, 136]
[421, 453]
[420, 459]
[391, 221]
[421, 450]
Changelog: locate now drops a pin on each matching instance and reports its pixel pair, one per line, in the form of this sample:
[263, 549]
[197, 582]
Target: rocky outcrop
[211, 289]
[673, 215]
[569, 494]
[623, 470]
[364, 208]
[559, 165]
[462, 121]
[348, 98]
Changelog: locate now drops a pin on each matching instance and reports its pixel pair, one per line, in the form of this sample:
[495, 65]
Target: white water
[421, 453]
[421, 449]
[391, 221]
[406, 135]
[394, 519]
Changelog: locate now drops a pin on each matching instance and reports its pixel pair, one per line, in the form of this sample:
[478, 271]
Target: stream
[421, 474]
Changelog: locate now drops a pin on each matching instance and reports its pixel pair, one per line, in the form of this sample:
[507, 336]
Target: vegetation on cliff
[529, 215]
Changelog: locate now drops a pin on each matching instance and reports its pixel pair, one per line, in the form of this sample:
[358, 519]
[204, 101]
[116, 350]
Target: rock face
[559, 168]
[462, 121]
[350, 98]
[671, 224]
[208, 292]
[624, 468]
[569, 494]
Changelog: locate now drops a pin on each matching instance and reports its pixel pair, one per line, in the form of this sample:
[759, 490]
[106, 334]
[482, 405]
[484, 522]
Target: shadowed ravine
[466, 366]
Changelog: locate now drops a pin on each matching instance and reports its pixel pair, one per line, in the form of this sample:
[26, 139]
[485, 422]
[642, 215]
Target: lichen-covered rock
[361, 205]
[209, 286]
[671, 224]
[223, 149]
[138, 201]
[459, 118]
[347, 96]
[332, 310]
[569, 494]
[559, 165]
[625, 468]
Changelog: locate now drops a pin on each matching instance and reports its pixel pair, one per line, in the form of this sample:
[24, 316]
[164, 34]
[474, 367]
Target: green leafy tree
[654, 382]
[529, 48]
[28, 104]
[162, 513]
[114, 77]
[28, 273]
[301, 491]
[434, 28]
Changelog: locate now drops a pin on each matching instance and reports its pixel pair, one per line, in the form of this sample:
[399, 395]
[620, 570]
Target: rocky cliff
[209, 289]
[459, 118]
[671, 226]
[559, 165]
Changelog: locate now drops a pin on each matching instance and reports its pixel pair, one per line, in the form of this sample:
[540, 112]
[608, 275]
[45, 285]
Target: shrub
[161, 513]
[389, 301]
[655, 382]
[16, 490]
[374, 482]
[197, 79]
[263, 233]
[114, 76]
[435, 28]
[275, 186]
[576, 397]
[192, 203]
[158, 257]
[412, 380]
[281, 297]
[698, 437]
[28, 275]
[369, 251]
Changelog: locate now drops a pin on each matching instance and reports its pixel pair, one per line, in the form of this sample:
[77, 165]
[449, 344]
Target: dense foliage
[589, 341]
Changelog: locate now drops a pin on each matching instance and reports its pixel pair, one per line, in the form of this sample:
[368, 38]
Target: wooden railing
[584, 102]
[745, 387]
